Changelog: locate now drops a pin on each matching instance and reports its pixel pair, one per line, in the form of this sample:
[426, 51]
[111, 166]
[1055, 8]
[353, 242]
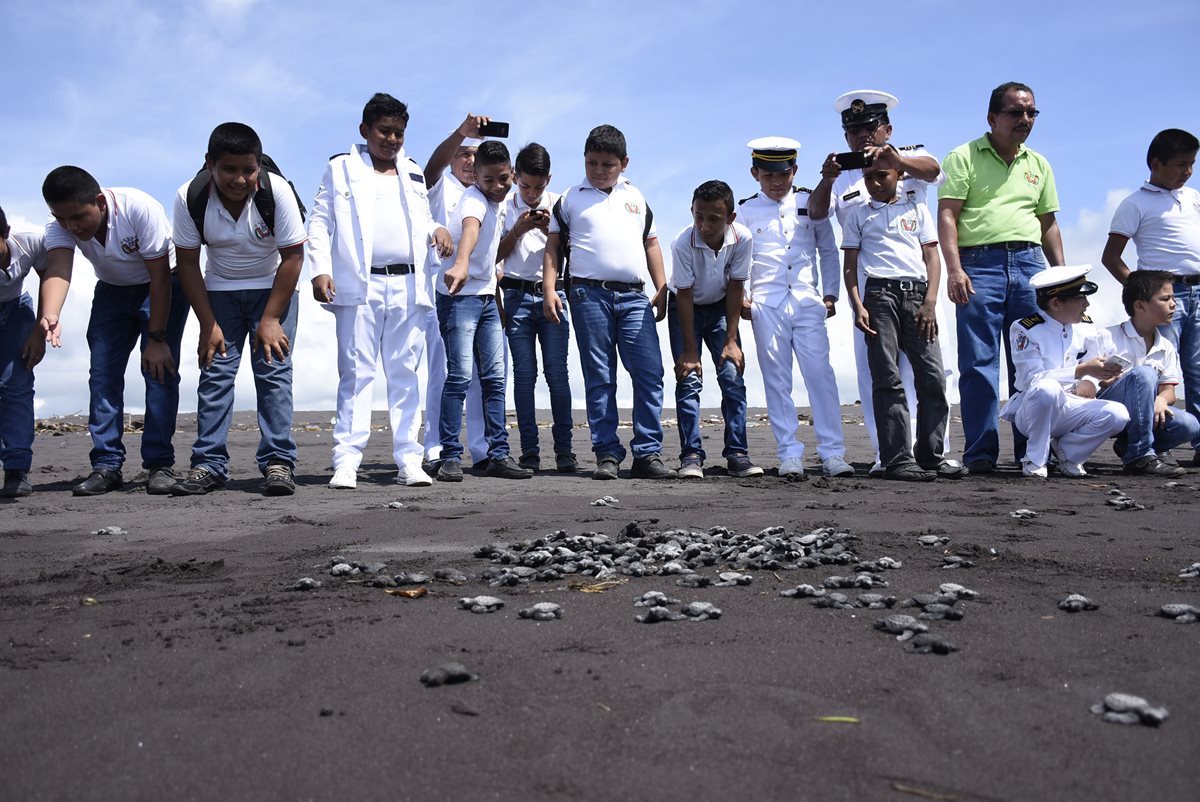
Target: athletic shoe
[948, 469]
[836, 467]
[651, 467]
[198, 482]
[1030, 470]
[910, 472]
[507, 468]
[413, 476]
[99, 482]
[280, 481]
[877, 470]
[740, 467]
[1065, 466]
[792, 467]
[565, 462]
[1153, 466]
[16, 484]
[691, 467]
[344, 478]
[530, 462]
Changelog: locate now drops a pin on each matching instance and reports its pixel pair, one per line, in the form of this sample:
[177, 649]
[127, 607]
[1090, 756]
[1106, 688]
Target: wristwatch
[159, 336]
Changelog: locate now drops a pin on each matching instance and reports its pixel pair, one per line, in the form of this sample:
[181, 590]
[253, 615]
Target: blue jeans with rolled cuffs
[1002, 296]
[238, 313]
[708, 322]
[608, 323]
[119, 321]
[470, 328]
[1184, 332]
[1136, 390]
[17, 319]
[526, 325]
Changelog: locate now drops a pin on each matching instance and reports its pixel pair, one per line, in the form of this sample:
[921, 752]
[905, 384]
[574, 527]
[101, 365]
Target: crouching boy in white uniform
[368, 249]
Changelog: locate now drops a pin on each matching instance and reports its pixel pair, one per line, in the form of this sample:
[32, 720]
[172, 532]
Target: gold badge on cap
[858, 106]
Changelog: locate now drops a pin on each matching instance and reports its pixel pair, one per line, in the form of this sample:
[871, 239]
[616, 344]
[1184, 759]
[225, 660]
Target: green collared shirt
[1001, 202]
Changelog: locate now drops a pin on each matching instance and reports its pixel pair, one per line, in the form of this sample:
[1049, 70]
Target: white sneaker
[1065, 466]
[836, 466]
[413, 476]
[1032, 471]
[344, 478]
[792, 467]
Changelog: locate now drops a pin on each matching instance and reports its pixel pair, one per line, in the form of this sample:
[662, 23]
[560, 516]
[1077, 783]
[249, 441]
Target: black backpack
[264, 198]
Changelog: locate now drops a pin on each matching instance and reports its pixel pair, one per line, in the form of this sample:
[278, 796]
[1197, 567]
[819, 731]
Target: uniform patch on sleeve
[1032, 320]
[1022, 341]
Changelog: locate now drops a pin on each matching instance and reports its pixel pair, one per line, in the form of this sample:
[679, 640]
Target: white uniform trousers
[865, 387]
[435, 361]
[388, 326]
[798, 328]
[1081, 425]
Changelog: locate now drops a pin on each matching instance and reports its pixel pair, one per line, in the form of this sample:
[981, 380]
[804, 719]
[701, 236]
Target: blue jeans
[237, 313]
[1184, 332]
[120, 319]
[1136, 390]
[526, 325]
[470, 328]
[608, 322]
[1002, 296]
[708, 321]
[16, 385]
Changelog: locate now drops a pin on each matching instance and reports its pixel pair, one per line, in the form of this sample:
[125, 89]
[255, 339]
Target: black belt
[1192, 280]
[615, 286]
[902, 284]
[532, 287]
[393, 270]
[1015, 245]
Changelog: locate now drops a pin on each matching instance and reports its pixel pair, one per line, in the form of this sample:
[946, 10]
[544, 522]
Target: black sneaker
[531, 462]
[1153, 466]
[161, 481]
[280, 480]
[979, 466]
[607, 468]
[566, 462]
[16, 484]
[99, 482]
[650, 468]
[507, 468]
[198, 482]
[450, 470]
[740, 467]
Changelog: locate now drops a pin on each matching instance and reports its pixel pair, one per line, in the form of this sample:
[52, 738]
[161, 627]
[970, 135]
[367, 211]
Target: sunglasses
[1017, 114]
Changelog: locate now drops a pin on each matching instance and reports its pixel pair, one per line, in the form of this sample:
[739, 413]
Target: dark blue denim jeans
[470, 328]
[526, 325]
[1184, 332]
[17, 319]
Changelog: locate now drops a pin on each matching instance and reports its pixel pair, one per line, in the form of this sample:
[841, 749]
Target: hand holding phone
[854, 160]
[495, 129]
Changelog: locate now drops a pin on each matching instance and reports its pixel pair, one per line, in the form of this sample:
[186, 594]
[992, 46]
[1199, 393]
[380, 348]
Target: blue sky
[130, 90]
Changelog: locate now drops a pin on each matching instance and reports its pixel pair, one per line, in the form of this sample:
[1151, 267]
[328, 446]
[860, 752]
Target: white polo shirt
[1165, 227]
[1161, 356]
[849, 189]
[787, 245]
[138, 230]
[481, 266]
[707, 272]
[444, 197]
[525, 260]
[241, 254]
[26, 252]
[888, 238]
[607, 231]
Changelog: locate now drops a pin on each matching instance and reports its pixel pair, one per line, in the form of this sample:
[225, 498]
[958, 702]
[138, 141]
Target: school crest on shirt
[130, 244]
[633, 208]
[262, 231]
[1033, 178]
[908, 223]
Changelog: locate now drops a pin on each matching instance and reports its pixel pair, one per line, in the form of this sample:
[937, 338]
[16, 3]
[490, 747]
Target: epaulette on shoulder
[910, 147]
[1085, 319]
[338, 155]
[1032, 320]
[745, 200]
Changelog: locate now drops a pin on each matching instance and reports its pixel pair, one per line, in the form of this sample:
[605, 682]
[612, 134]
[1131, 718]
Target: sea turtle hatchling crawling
[958, 591]
[702, 611]
[1181, 613]
[1124, 708]
[803, 592]
[1076, 603]
[654, 598]
[902, 626]
[446, 674]
[929, 643]
[542, 611]
[654, 615]
[480, 604]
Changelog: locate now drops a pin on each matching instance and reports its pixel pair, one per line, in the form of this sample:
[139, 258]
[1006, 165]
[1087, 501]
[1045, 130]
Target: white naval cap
[471, 142]
[864, 106]
[776, 154]
[1063, 281]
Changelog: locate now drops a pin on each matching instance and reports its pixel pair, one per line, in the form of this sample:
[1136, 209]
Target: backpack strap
[564, 244]
[264, 200]
[649, 222]
[197, 200]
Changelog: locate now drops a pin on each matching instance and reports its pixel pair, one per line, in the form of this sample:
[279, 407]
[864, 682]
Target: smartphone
[855, 160]
[1117, 361]
[494, 129]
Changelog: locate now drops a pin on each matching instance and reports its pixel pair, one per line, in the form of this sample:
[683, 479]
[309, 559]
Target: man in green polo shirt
[997, 229]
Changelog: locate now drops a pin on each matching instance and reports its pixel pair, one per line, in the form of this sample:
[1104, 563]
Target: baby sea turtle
[902, 626]
[958, 591]
[654, 615]
[1122, 502]
[481, 604]
[411, 578]
[341, 569]
[110, 530]
[929, 643]
[1075, 603]
[1191, 572]
[940, 612]
[1182, 613]
[803, 592]
[730, 578]
[954, 561]
[451, 575]
[693, 581]
[654, 598]
[446, 674]
[394, 505]
[605, 501]
[542, 611]
[1024, 515]
[307, 583]
[702, 611]
[933, 540]
[833, 601]
[875, 601]
[1124, 708]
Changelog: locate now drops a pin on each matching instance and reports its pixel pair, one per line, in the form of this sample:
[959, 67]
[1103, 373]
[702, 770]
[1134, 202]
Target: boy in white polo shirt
[247, 290]
[368, 255]
[470, 319]
[126, 236]
[1163, 220]
[786, 312]
[1147, 387]
[22, 346]
[893, 241]
[522, 249]
[710, 264]
[608, 228]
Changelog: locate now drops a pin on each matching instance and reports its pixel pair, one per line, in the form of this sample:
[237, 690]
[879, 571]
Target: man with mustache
[997, 229]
